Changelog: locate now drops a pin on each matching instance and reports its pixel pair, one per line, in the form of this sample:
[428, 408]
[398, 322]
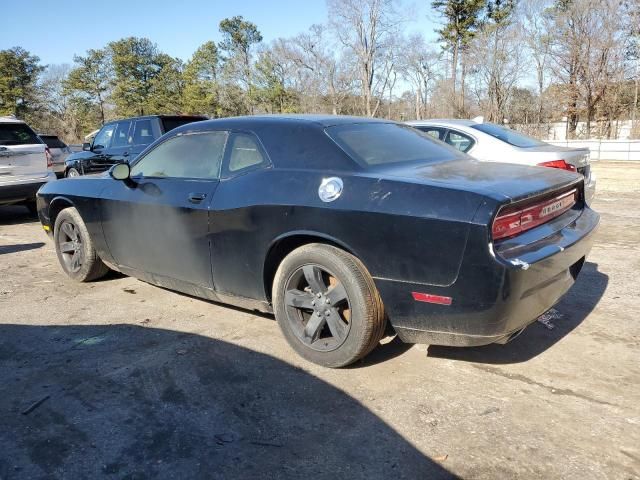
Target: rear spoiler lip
[551, 191]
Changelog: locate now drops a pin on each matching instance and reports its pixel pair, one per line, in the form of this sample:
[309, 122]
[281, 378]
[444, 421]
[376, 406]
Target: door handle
[125, 154]
[197, 197]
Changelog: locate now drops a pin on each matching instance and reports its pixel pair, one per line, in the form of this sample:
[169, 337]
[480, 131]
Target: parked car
[335, 224]
[25, 163]
[121, 141]
[495, 143]
[59, 152]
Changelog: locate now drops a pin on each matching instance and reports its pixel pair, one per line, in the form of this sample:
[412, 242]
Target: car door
[118, 149]
[157, 222]
[232, 229]
[101, 142]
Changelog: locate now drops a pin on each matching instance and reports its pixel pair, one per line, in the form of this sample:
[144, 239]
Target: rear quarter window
[382, 144]
[17, 134]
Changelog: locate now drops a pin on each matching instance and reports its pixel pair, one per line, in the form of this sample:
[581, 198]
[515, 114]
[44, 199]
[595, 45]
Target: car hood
[501, 181]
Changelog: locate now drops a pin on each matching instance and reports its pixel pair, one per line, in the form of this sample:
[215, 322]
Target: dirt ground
[120, 379]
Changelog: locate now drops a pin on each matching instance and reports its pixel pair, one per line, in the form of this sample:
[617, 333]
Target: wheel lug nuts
[327, 312]
[313, 302]
[318, 295]
[328, 301]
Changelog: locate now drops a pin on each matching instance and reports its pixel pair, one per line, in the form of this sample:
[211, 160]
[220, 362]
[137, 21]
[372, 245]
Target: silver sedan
[495, 143]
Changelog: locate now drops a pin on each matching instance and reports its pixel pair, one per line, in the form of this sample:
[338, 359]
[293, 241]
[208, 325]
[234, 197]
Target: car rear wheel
[72, 172]
[327, 305]
[74, 247]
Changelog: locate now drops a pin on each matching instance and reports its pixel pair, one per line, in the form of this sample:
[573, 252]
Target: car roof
[249, 121]
[10, 119]
[446, 122]
[201, 117]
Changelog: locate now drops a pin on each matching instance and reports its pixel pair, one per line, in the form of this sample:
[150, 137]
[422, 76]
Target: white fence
[605, 149]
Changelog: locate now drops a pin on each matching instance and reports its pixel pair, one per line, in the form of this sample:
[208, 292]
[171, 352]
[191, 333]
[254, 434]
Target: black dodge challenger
[345, 228]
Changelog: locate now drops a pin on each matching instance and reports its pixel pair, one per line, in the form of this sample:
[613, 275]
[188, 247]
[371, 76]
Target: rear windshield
[507, 135]
[175, 122]
[17, 134]
[52, 141]
[380, 144]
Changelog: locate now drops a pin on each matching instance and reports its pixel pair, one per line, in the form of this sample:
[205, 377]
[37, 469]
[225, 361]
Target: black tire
[321, 325]
[76, 254]
[72, 172]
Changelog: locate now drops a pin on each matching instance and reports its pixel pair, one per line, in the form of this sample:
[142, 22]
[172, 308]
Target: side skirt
[196, 291]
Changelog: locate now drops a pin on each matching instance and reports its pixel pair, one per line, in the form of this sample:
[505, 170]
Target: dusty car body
[293, 212]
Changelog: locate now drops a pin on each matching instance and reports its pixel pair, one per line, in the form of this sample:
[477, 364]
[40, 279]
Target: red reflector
[561, 164]
[428, 298]
[512, 221]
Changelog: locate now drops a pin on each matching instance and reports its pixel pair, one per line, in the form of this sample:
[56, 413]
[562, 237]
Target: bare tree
[366, 28]
[496, 54]
[319, 73]
[420, 68]
[537, 28]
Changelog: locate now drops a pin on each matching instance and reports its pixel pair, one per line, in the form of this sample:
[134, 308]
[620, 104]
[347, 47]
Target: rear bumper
[59, 168]
[496, 297]
[590, 188]
[22, 191]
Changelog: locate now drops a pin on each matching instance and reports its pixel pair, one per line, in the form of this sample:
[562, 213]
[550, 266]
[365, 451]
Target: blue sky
[55, 31]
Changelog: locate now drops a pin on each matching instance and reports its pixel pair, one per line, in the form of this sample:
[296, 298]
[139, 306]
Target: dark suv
[122, 141]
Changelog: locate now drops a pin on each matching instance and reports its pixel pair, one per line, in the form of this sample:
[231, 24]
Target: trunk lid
[21, 162]
[22, 153]
[504, 182]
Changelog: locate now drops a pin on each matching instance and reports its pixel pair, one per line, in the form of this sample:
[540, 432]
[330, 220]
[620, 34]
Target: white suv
[25, 164]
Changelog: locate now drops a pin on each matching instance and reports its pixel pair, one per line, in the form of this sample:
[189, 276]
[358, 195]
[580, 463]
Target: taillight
[561, 164]
[47, 153]
[511, 221]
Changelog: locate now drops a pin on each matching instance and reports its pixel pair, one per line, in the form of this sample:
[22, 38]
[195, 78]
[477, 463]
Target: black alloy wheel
[327, 305]
[71, 246]
[318, 308]
[74, 247]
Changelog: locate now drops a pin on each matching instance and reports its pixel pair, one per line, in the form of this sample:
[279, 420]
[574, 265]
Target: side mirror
[121, 171]
[86, 146]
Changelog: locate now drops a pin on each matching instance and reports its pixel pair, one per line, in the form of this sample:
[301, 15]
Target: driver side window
[103, 137]
[191, 155]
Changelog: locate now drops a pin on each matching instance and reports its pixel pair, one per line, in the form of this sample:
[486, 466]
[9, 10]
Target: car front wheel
[72, 172]
[74, 248]
[327, 305]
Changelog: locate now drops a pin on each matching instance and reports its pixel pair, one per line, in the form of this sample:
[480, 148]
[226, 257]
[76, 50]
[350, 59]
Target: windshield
[507, 135]
[17, 134]
[380, 144]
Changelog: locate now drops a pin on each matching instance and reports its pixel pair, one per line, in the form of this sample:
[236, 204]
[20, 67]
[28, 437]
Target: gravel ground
[120, 379]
